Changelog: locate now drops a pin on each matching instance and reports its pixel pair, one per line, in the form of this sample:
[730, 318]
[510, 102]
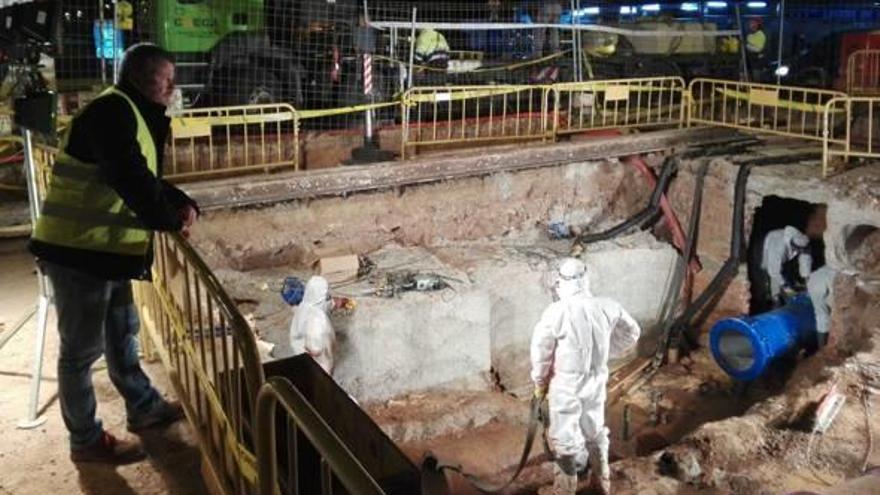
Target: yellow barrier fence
[211, 142]
[620, 103]
[337, 461]
[851, 130]
[44, 158]
[863, 73]
[780, 110]
[474, 114]
[210, 353]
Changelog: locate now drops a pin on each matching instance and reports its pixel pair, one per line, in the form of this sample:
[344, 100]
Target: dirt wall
[489, 207]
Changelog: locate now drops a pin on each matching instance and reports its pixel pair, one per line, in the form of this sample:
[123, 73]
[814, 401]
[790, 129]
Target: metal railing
[620, 103]
[850, 130]
[337, 460]
[210, 142]
[474, 114]
[781, 110]
[863, 73]
[44, 159]
[210, 353]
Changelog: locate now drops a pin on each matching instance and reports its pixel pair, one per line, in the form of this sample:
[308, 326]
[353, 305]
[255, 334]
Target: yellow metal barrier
[781, 110]
[44, 159]
[863, 73]
[473, 114]
[210, 353]
[228, 140]
[620, 103]
[851, 130]
[339, 461]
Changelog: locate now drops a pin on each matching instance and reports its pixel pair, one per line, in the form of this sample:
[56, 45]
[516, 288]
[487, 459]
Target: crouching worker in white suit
[311, 330]
[571, 346]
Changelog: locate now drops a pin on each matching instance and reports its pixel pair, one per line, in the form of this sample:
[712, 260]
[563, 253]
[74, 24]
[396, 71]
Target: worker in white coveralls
[819, 287]
[571, 346]
[310, 330]
[780, 247]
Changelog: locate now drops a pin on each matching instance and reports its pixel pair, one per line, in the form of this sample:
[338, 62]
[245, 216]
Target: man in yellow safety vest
[756, 42]
[432, 49]
[94, 236]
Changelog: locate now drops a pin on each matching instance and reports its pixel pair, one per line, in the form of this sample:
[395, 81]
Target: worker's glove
[540, 392]
[788, 292]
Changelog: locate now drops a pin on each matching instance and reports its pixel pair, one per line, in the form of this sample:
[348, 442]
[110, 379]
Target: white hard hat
[572, 268]
[571, 278]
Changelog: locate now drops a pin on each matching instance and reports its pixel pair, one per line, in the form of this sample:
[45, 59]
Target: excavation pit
[447, 372]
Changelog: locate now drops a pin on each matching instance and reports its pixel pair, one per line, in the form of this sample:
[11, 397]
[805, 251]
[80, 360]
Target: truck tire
[245, 86]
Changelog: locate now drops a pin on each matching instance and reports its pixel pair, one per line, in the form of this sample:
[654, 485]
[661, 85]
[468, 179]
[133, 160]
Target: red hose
[678, 237]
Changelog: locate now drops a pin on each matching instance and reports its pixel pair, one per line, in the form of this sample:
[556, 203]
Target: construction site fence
[210, 353]
[211, 142]
[472, 114]
[762, 108]
[221, 141]
[618, 104]
[850, 130]
[863, 73]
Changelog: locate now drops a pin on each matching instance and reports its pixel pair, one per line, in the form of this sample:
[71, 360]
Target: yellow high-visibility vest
[756, 41]
[82, 211]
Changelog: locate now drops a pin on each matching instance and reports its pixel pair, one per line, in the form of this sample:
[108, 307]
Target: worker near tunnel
[571, 345]
[819, 287]
[780, 247]
[94, 236]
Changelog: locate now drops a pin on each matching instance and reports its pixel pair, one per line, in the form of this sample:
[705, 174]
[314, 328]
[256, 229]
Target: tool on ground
[828, 409]
[394, 283]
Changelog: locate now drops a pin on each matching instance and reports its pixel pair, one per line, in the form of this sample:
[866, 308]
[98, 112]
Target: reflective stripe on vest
[82, 211]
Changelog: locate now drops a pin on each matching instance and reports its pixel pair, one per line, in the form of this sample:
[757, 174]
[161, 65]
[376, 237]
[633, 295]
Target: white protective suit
[819, 287]
[570, 349]
[310, 330]
[781, 246]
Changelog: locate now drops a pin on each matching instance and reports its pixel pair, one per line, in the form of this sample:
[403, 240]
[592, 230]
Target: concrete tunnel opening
[446, 372]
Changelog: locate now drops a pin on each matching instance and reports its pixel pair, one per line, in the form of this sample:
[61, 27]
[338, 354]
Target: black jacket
[105, 133]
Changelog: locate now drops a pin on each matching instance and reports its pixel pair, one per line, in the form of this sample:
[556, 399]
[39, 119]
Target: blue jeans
[96, 316]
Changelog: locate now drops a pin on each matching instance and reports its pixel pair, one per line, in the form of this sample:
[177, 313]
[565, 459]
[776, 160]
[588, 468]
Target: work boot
[110, 450]
[600, 474]
[564, 476]
[163, 413]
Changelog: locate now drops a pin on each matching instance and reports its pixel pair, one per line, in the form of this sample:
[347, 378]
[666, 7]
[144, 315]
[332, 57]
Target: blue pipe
[744, 346]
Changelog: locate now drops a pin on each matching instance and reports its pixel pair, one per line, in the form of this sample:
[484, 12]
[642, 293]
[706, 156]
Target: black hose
[730, 267]
[670, 167]
[683, 265]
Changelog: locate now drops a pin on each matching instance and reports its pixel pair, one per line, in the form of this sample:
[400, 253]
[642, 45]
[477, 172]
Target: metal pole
[115, 43]
[779, 53]
[576, 49]
[101, 40]
[32, 421]
[574, 60]
[744, 71]
[412, 48]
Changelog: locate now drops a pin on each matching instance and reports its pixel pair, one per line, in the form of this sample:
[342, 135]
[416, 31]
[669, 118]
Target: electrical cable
[670, 166]
[730, 267]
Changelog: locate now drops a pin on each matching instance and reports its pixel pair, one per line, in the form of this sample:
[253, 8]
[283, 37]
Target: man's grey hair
[141, 60]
